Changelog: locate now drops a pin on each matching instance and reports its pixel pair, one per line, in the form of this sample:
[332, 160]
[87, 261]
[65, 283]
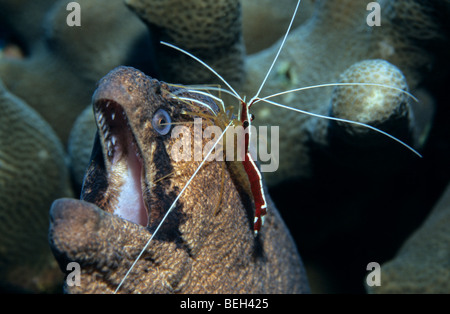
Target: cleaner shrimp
[245, 118]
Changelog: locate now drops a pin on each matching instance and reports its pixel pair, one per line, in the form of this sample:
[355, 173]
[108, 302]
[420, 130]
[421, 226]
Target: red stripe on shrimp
[256, 186]
[254, 175]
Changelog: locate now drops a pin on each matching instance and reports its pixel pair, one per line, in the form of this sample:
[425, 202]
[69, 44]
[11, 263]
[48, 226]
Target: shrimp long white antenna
[213, 88]
[205, 65]
[201, 92]
[334, 84]
[220, 101]
[345, 121]
[278, 53]
[172, 207]
[201, 103]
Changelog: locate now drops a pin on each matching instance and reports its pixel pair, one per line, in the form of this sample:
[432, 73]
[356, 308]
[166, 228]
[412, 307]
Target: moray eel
[132, 182]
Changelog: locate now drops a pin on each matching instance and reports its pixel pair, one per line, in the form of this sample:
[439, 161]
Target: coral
[196, 243]
[387, 109]
[422, 264]
[53, 68]
[369, 106]
[209, 29]
[62, 64]
[257, 35]
[33, 172]
[319, 51]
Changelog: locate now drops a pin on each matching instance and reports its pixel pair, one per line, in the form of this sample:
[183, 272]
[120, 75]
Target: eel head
[131, 183]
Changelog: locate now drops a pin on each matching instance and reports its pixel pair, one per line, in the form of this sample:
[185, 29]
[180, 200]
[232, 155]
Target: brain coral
[33, 172]
[61, 64]
[209, 29]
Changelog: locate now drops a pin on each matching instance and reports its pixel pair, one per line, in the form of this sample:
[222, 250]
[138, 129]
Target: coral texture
[275, 21]
[33, 172]
[53, 68]
[62, 64]
[195, 245]
[319, 51]
[387, 109]
[366, 104]
[422, 265]
[209, 29]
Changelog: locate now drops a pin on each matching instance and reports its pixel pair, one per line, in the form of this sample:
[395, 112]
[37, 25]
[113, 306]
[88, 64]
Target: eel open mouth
[123, 163]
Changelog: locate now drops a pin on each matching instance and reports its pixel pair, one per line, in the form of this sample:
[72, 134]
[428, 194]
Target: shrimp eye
[252, 117]
[245, 124]
[161, 122]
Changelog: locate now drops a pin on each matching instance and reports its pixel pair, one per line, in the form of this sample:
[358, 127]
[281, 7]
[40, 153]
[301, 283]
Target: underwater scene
[224, 146]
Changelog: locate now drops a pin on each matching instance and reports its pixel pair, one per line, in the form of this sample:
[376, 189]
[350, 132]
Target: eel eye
[161, 122]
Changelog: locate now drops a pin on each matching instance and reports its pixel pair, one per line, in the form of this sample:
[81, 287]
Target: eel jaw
[123, 164]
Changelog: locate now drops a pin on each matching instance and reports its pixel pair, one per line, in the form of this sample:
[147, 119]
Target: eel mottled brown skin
[198, 249]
